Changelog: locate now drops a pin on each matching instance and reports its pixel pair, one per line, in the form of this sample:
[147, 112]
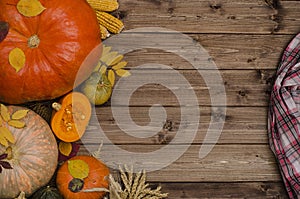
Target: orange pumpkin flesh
[56, 44]
[69, 122]
[33, 157]
[97, 178]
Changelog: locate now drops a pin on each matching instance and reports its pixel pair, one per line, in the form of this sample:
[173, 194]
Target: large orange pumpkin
[97, 178]
[33, 157]
[55, 43]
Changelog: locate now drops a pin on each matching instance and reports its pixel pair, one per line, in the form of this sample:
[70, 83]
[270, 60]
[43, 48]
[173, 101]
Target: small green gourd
[47, 192]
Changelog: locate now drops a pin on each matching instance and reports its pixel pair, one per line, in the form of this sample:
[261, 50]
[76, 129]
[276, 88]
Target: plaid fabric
[284, 118]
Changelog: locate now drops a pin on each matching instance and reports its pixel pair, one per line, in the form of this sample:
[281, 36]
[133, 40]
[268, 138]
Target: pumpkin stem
[56, 106]
[33, 41]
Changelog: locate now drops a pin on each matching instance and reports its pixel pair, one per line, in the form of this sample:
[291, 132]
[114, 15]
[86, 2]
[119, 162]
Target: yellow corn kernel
[104, 5]
[104, 32]
[111, 23]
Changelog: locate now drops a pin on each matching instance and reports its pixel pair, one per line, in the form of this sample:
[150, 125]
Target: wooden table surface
[245, 39]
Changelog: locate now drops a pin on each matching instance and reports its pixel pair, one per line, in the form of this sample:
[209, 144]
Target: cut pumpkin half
[71, 117]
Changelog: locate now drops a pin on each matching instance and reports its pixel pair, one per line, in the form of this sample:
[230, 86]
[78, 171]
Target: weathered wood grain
[224, 190]
[245, 39]
[225, 163]
[205, 16]
[228, 51]
[242, 125]
[242, 87]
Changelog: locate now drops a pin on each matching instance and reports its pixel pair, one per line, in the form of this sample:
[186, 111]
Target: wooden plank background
[245, 39]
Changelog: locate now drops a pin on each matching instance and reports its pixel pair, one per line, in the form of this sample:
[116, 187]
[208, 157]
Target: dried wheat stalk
[135, 186]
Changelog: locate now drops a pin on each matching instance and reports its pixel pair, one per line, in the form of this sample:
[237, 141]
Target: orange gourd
[33, 156]
[97, 178]
[71, 117]
[56, 44]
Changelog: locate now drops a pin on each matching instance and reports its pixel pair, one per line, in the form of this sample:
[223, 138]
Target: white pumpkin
[33, 156]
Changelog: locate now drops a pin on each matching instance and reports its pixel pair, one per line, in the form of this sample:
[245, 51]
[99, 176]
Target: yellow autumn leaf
[30, 8]
[109, 57]
[7, 134]
[65, 148]
[123, 73]
[4, 113]
[106, 50]
[3, 140]
[97, 67]
[78, 169]
[120, 65]
[16, 123]
[19, 114]
[111, 77]
[103, 69]
[116, 60]
[17, 59]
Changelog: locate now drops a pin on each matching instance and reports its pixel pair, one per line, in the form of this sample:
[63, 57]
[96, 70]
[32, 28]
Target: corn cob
[104, 32]
[111, 23]
[104, 5]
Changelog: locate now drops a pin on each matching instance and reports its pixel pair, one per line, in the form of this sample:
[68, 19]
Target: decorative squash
[97, 88]
[33, 156]
[97, 178]
[53, 45]
[47, 192]
[71, 117]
